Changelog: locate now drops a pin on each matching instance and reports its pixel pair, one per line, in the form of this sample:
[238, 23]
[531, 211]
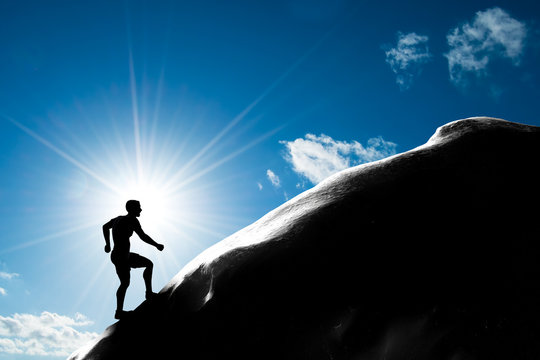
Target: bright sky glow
[212, 114]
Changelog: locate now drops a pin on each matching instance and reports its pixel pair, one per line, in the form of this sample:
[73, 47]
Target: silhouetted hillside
[429, 254]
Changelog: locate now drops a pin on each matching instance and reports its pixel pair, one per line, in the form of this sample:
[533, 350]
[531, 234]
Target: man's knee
[124, 284]
[122, 288]
[124, 277]
[147, 263]
[138, 261]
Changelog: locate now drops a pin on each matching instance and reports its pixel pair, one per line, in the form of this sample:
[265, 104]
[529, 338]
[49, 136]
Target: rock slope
[430, 254]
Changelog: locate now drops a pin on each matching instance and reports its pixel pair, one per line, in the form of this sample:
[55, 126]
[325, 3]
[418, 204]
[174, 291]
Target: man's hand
[107, 248]
[160, 247]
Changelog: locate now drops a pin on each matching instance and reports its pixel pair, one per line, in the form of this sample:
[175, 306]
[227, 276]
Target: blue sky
[213, 113]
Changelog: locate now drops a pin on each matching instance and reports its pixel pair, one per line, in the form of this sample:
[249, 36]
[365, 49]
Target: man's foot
[150, 295]
[120, 314]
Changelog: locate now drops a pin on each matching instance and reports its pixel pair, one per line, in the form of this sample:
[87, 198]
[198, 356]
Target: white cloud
[492, 34]
[3, 291]
[274, 179]
[8, 276]
[259, 185]
[317, 157]
[48, 334]
[9, 346]
[405, 59]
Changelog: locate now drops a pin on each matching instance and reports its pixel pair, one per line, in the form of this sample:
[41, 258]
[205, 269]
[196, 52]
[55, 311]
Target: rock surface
[429, 254]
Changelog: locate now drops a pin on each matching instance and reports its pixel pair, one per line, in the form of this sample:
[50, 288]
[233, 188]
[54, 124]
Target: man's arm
[147, 239]
[107, 235]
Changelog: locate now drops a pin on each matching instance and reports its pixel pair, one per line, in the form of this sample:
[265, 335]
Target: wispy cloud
[259, 185]
[492, 34]
[317, 157]
[406, 58]
[8, 276]
[48, 334]
[274, 179]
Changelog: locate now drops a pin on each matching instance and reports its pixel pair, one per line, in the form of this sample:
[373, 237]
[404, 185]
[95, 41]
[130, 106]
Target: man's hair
[132, 205]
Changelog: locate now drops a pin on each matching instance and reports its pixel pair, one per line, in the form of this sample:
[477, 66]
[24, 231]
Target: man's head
[133, 207]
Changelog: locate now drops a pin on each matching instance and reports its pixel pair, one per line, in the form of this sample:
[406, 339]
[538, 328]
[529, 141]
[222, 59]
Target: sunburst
[137, 158]
[173, 189]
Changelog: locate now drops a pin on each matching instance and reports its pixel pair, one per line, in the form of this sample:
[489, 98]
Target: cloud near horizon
[317, 157]
[405, 59]
[492, 34]
[48, 334]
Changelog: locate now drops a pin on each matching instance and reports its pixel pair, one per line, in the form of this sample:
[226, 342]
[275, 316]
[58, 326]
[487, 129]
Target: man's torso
[123, 227]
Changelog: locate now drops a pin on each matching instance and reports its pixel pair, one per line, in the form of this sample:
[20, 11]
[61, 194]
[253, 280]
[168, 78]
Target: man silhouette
[122, 229]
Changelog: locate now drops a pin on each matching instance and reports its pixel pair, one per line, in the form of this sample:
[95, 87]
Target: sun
[158, 205]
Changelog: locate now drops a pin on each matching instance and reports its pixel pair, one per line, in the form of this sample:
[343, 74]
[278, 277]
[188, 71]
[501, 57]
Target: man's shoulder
[113, 221]
[126, 221]
[132, 220]
[116, 219]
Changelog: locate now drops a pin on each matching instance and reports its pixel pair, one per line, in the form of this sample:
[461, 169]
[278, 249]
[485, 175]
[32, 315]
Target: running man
[122, 229]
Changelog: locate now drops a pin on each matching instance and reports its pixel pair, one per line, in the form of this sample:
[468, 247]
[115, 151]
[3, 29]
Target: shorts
[124, 262]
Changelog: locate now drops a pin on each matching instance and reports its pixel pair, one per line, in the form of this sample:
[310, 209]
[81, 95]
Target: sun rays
[137, 157]
[131, 143]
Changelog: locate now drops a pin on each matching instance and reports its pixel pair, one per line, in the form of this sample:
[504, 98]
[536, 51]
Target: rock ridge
[428, 254]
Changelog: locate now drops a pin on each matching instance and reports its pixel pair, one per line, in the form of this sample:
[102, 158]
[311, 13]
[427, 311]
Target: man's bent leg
[138, 261]
[147, 276]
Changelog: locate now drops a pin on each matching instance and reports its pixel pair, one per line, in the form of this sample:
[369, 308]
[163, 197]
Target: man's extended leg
[124, 276]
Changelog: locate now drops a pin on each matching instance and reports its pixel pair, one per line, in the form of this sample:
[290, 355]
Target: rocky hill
[430, 254]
